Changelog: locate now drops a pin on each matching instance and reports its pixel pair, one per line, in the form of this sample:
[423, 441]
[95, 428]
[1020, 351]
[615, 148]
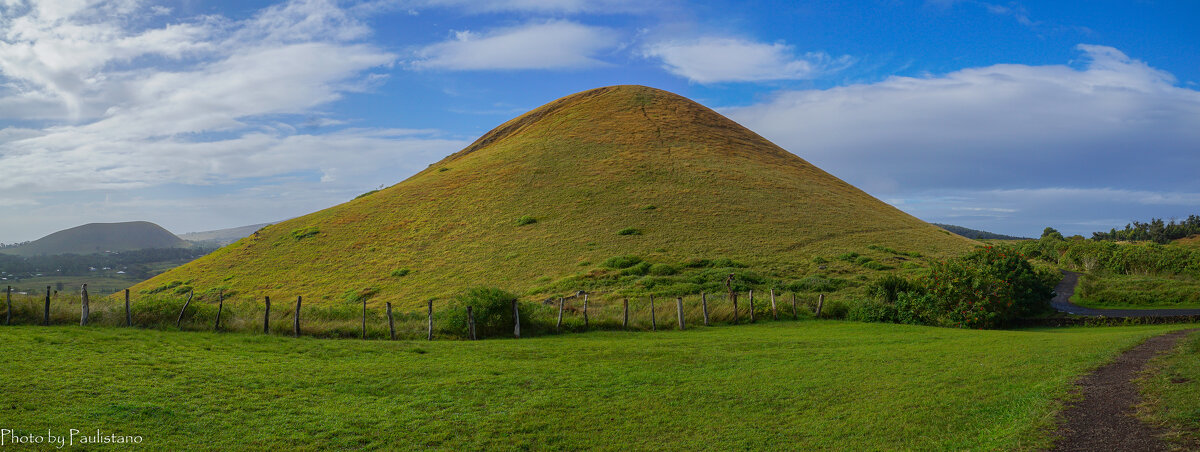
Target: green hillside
[99, 238]
[539, 204]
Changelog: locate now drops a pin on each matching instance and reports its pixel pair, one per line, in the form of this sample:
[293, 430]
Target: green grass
[1171, 392]
[584, 167]
[1108, 291]
[786, 385]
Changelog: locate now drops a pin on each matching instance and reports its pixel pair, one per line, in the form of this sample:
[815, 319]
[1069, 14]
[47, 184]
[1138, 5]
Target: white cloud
[550, 45]
[716, 60]
[535, 6]
[1003, 126]
[93, 98]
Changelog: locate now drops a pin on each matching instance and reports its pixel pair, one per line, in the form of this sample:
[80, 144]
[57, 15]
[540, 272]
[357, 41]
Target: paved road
[1066, 288]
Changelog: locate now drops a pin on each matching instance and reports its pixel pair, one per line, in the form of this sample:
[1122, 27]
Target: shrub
[620, 262]
[662, 270]
[915, 308]
[1031, 289]
[630, 231]
[819, 260]
[650, 207]
[641, 269]
[872, 311]
[835, 309]
[887, 288]
[862, 260]
[848, 257]
[968, 296]
[304, 233]
[401, 272]
[493, 310]
[526, 220]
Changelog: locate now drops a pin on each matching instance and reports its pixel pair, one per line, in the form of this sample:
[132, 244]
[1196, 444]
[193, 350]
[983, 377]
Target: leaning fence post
[751, 305]
[625, 320]
[46, 318]
[85, 311]
[795, 314]
[429, 319]
[558, 326]
[128, 315]
[392, 323]
[679, 311]
[774, 312]
[585, 317]
[704, 305]
[296, 319]
[267, 316]
[220, 307]
[181, 311]
[653, 322]
[516, 320]
[8, 304]
[820, 304]
[470, 323]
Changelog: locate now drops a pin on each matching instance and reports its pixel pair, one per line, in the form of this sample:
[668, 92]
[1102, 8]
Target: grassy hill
[222, 237]
[100, 237]
[543, 203]
[977, 234]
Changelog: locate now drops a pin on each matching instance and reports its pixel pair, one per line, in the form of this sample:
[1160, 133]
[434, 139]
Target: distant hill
[100, 237]
[976, 234]
[222, 237]
[573, 195]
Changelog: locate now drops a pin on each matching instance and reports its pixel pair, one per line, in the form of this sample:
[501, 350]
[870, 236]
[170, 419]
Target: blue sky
[1007, 116]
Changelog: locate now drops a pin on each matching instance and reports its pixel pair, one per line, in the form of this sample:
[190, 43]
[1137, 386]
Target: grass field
[1172, 393]
[1137, 292]
[541, 203]
[784, 385]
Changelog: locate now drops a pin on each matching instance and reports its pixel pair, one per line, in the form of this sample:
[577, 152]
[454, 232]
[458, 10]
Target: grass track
[812, 385]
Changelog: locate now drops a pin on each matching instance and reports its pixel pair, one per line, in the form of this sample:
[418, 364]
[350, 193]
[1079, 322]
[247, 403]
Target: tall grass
[345, 320]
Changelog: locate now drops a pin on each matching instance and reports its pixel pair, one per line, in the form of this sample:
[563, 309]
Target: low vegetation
[810, 385]
[1171, 392]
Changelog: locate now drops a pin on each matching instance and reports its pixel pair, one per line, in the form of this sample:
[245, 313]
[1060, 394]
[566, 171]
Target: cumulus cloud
[718, 59]
[549, 45]
[1112, 121]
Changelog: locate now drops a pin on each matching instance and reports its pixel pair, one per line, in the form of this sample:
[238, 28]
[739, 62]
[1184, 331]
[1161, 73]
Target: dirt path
[1104, 419]
[1066, 288]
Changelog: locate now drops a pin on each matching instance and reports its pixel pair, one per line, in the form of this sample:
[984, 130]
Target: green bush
[835, 309]
[872, 311]
[401, 272]
[916, 308]
[304, 233]
[493, 310]
[526, 220]
[620, 262]
[641, 269]
[848, 257]
[887, 288]
[662, 270]
[630, 231]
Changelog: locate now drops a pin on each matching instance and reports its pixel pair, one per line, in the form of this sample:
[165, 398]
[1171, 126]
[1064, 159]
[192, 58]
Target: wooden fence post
[128, 315]
[625, 321]
[558, 326]
[795, 314]
[516, 320]
[296, 319]
[653, 320]
[820, 304]
[471, 323]
[585, 316]
[220, 307]
[733, 296]
[85, 310]
[267, 316]
[46, 318]
[364, 326]
[679, 311]
[704, 305]
[8, 304]
[774, 311]
[751, 305]
[392, 323]
[179, 321]
[429, 318]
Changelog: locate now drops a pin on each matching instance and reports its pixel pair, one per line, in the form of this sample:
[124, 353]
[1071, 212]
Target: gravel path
[1066, 288]
[1105, 418]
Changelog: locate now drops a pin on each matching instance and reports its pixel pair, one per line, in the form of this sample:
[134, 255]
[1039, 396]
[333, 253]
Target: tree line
[1156, 231]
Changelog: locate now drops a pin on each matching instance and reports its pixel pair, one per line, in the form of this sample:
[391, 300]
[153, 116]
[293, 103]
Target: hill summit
[545, 199]
[94, 238]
